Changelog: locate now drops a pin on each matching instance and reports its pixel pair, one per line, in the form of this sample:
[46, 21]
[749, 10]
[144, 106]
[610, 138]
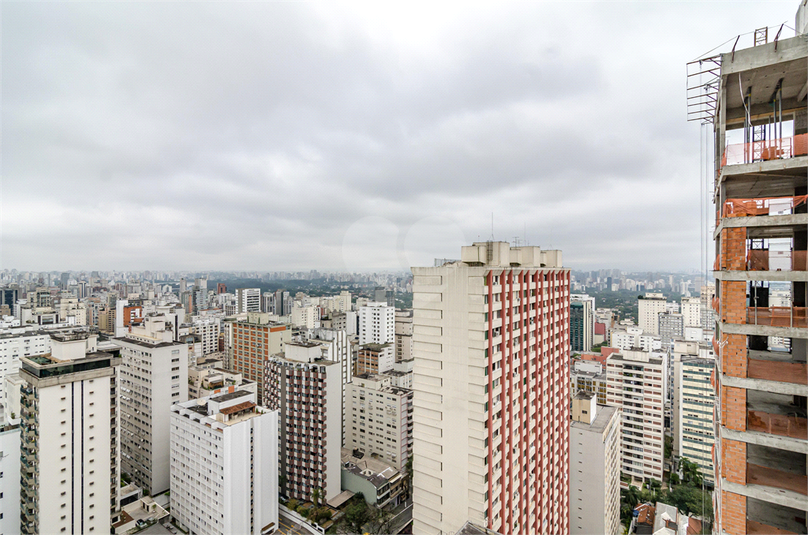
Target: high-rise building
[15, 345]
[670, 326]
[224, 465]
[254, 340]
[761, 164]
[248, 300]
[582, 322]
[491, 391]
[594, 467]
[377, 324]
[636, 384]
[649, 308]
[403, 335]
[693, 412]
[153, 376]
[691, 311]
[378, 419]
[307, 390]
[69, 442]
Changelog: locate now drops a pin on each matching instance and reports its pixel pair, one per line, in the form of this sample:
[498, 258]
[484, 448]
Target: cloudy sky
[258, 135]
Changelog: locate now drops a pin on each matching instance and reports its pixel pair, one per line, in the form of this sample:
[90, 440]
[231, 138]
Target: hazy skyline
[297, 136]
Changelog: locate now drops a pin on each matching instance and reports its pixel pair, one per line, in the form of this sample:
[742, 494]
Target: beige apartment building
[492, 392]
[636, 384]
[378, 419]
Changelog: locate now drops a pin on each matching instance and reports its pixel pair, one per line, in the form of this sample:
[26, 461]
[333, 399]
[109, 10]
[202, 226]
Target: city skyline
[353, 137]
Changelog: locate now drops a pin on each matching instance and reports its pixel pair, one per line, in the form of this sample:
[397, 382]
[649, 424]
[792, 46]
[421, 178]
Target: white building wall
[10, 481]
[377, 324]
[19, 344]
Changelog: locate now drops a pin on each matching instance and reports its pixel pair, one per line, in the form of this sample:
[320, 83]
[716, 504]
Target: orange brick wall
[733, 301]
[733, 356]
[733, 409]
[733, 249]
[733, 463]
[733, 507]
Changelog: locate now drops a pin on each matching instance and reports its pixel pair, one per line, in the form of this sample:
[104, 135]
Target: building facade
[69, 453]
[153, 376]
[254, 340]
[649, 307]
[307, 391]
[636, 384]
[224, 465]
[761, 442]
[594, 467]
[491, 391]
[693, 413]
[582, 322]
[378, 419]
[377, 323]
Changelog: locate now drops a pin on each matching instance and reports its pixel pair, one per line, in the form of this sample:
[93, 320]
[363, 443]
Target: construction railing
[762, 206]
[777, 316]
[770, 149]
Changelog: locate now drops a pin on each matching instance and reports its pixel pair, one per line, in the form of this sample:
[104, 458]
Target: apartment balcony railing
[772, 477]
[777, 316]
[776, 369]
[770, 149]
[791, 425]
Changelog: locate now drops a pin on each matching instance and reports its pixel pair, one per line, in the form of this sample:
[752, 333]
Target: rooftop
[230, 396]
[247, 405]
[602, 419]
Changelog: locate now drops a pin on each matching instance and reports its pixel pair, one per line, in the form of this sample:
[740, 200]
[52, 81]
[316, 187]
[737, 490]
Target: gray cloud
[270, 135]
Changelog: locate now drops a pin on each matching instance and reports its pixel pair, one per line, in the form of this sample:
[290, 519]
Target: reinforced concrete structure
[253, 341]
[491, 391]
[760, 123]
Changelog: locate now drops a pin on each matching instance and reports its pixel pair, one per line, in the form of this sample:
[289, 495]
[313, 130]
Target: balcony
[761, 151]
[776, 414]
[776, 366]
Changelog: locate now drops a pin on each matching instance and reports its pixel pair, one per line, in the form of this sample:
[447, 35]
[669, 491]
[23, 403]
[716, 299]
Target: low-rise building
[379, 483]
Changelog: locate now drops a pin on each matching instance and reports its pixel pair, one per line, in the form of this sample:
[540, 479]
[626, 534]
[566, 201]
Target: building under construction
[755, 98]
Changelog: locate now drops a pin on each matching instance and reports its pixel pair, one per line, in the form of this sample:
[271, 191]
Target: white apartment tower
[491, 391]
[377, 324]
[68, 442]
[153, 376]
[691, 311]
[649, 308]
[594, 467]
[378, 419]
[248, 299]
[693, 421]
[307, 390]
[15, 345]
[635, 382]
[224, 465]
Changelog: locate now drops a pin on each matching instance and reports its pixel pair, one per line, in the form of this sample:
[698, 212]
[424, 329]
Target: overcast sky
[280, 136]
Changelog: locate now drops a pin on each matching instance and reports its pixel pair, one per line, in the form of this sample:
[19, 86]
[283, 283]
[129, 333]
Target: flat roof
[229, 396]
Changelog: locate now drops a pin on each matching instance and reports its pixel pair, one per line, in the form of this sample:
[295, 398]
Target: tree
[380, 522]
[691, 500]
[675, 479]
[315, 497]
[292, 505]
[691, 474]
[356, 516]
[408, 477]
